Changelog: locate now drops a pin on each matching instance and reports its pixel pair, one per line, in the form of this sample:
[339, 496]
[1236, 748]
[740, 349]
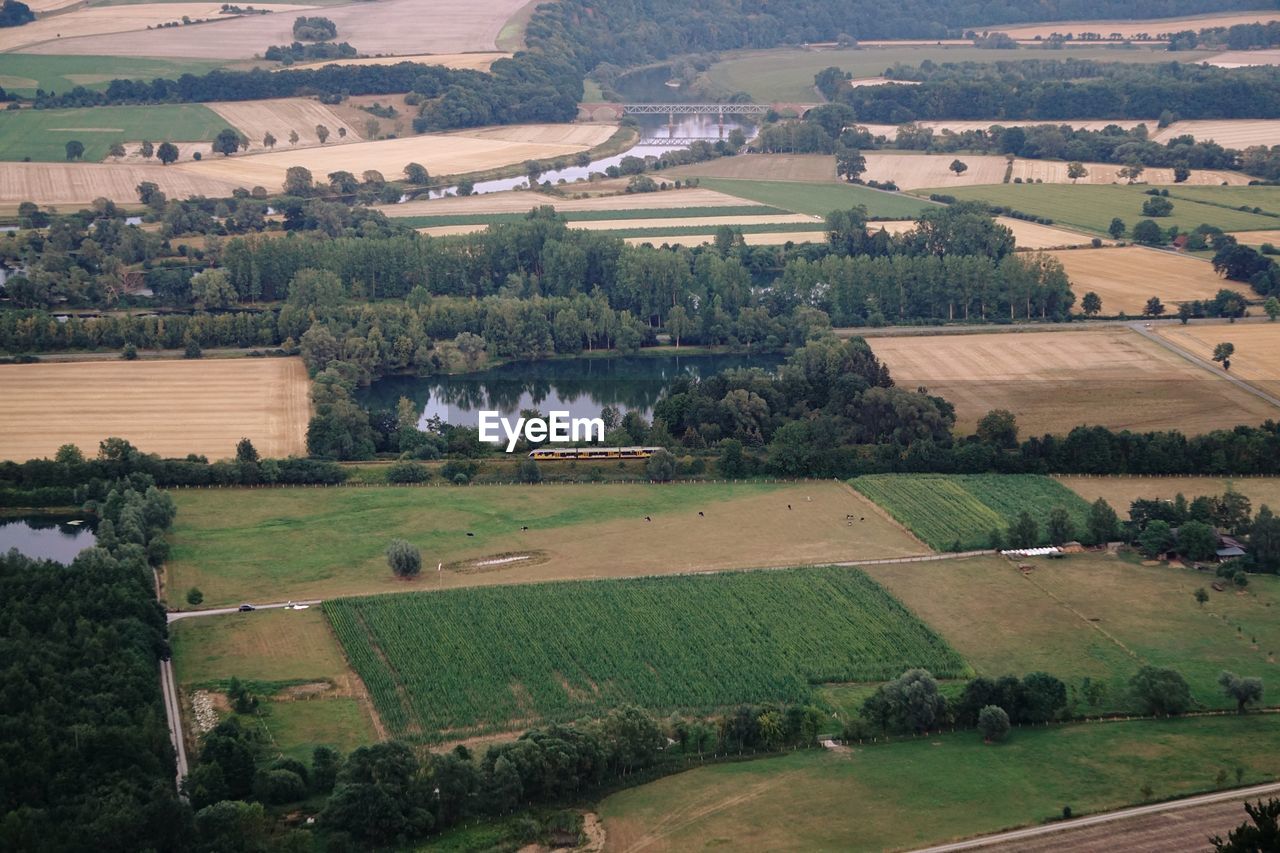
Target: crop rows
[490, 658]
[959, 511]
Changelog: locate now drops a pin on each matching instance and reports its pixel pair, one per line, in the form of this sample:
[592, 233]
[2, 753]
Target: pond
[47, 537]
[580, 386]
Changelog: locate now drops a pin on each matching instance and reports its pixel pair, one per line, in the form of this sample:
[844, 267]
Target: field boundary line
[884, 513]
[1085, 619]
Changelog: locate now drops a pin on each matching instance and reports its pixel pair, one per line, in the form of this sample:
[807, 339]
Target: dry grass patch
[810, 168]
[273, 645]
[389, 26]
[168, 407]
[911, 171]
[279, 116]
[81, 183]
[1120, 492]
[441, 154]
[1229, 133]
[1126, 277]
[1257, 355]
[1151, 26]
[52, 34]
[523, 202]
[1054, 381]
[1055, 172]
[1257, 238]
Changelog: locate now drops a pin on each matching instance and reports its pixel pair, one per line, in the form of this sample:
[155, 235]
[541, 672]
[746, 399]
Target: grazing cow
[701, 514]
[647, 518]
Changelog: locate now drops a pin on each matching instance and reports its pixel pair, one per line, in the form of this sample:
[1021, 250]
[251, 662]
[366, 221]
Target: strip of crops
[959, 511]
[492, 658]
[594, 215]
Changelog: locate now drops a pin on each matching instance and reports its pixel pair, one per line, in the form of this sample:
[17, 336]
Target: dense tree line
[1062, 89]
[85, 761]
[630, 34]
[15, 13]
[1235, 37]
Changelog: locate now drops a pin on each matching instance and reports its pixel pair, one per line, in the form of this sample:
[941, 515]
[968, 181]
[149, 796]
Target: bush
[993, 723]
[661, 466]
[404, 558]
[1160, 691]
[408, 472]
[194, 597]
[528, 472]
[275, 787]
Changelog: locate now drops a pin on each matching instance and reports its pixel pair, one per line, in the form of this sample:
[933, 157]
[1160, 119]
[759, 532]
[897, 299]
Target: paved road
[173, 711]
[174, 616]
[1036, 838]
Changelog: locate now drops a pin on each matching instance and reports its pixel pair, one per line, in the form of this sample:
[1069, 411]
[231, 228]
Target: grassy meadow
[592, 215]
[1092, 207]
[820, 199]
[958, 512]
[923, 791]
[496, 658]
[1094, 616]
[293, 543]
[43, 134]
[24, 73]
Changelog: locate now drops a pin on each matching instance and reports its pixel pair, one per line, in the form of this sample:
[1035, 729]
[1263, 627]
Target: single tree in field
[297, 181]
[116, 150]
[294, 137]
[1154, 307]
[1091, 303]
[959, 167]
[850, 164]
[194, 597]
[1185, 312]
[146, 149]
[342, 133]
[404, 558]
[1117, 228]
[1131, 172]
[993, 723]
[167, 153]
[1060, 527]
[1076, 171]
[1024, 532]
[227, 142]
[268, 140]
[1272, 308]
[1243, 690]
[1000, 428]
[1261, 834]
[1104, 524]
[1181, 173]
[322, 133]
[75, 149]
[1222, 354]
[1201, 596]
[1160, 691]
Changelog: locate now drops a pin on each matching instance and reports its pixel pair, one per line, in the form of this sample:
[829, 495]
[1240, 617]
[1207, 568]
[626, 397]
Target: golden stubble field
[1122, 491]
[1126, 277]
[279, 116]
[523, 202]
[1257, 355]
[1151, 26]
[1055, 381]
[385, 27]
[1229, 133]
[168, 407]
[478, 61]
[1029, 235]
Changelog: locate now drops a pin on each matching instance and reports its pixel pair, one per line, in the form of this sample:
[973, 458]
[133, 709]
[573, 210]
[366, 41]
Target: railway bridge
[613, 111]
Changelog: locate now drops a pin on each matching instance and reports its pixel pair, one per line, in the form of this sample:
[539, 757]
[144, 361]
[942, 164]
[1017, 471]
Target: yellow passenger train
[557, 453]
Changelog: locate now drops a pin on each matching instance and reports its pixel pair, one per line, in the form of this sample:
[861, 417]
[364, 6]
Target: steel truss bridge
[695, 109]
[675, 141]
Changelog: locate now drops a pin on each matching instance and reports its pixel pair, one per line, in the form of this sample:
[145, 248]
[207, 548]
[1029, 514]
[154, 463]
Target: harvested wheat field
[281, 115]
[1229, 133]
[479, 61]
[53, 34]
[388, 26]
[1030, 236]
[1126, 277]
[1257, 355]
[1120, 491]
[911, 171]
[694, 221]
[1055, 172]
[959, 126]
[441, 154]
[1245, 58]
[1054, 381]
[585, 135]
[1153, 27]
[810, 168]
[1257, 238]
[168, 407]
[769, 238]
[80, 183]
[523, 202]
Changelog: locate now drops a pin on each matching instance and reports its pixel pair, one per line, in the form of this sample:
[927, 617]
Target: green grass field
[23, 73]
[589, 215]
[914, 793]
[686, 230]
[43, 134]
[1094, 616]
[1266, 199]
[962, 510]
[1092, 207]
[820, 199]
[495, 658]
[786, 74]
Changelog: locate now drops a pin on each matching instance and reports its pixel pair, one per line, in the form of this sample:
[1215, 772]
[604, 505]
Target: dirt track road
[1180, 826]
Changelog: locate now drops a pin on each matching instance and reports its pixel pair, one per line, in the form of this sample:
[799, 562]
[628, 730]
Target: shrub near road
[496, 658]
[960, 511]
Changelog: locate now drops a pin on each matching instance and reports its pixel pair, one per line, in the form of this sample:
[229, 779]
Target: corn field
[474, 660]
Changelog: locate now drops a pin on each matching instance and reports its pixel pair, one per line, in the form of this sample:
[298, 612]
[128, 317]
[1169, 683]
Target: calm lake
[580, 386]
[46, 537]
